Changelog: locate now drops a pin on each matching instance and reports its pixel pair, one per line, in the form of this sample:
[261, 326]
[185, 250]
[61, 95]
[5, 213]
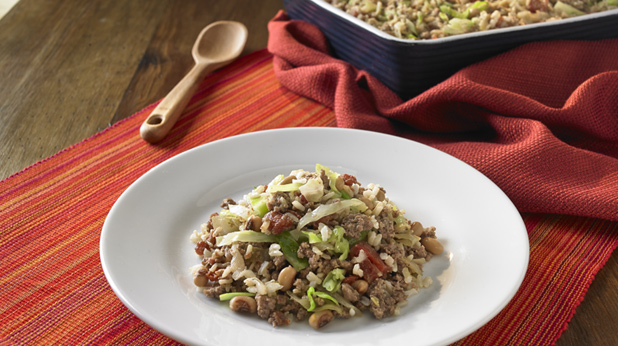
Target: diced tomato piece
[370, 271]
[372, 256]
[355, 250]
[350, 279]
[349, 179]
[279, 222]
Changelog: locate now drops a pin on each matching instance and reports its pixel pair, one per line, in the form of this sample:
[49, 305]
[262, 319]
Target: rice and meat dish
[314, 245]
[428, 19]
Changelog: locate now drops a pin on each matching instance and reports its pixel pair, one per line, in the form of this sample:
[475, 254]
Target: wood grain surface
[71, 68]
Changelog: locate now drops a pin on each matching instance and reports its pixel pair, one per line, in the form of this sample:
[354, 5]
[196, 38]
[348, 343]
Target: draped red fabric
[541, 120]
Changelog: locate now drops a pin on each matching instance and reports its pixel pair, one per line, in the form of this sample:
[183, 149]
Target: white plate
[146, 252]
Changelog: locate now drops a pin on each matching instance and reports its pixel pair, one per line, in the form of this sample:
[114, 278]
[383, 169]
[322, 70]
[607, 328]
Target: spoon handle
[164, 116]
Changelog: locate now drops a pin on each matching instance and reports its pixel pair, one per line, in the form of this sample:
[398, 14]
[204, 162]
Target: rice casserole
[430, 19]
[313, 246]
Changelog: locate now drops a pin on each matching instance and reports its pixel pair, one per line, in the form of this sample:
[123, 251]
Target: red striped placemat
[52, 287]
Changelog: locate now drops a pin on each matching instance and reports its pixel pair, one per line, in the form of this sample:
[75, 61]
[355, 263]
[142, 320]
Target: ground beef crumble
[265, 305]
[387, 227]
[384, 298]
[354, 224]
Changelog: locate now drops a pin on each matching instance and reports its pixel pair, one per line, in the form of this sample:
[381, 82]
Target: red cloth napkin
[541, 120]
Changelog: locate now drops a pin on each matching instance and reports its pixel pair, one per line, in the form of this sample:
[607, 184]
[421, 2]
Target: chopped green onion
[230, 295]
[311, 292]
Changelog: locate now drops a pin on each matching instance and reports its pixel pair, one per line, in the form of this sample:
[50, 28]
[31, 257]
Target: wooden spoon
[216, 46]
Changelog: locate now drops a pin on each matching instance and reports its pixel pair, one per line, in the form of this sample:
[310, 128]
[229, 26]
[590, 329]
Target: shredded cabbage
[313, 190]
[344, 302]
[284, 188]
[336, 241]
[458, 26]
[228, 221]
[333, 279]
[260, 205]
[400, 220]
[568, 9]
[312, 237]
[328, 209]
[302, 301]
[323, 246]
[341, 243]
[329, 306]
[239, 210]
[332, 176]
[245, 236]
[480, 5]
[446, 9]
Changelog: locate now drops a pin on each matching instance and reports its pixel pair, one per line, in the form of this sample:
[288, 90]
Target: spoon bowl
[217, 45]
[209, 48]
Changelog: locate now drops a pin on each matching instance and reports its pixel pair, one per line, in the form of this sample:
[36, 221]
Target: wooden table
[71, 68]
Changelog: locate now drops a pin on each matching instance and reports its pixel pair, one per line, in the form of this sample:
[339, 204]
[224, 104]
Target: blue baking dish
[409, 67]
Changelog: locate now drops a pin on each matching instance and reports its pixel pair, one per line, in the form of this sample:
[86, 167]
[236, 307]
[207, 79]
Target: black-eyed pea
[417, 228]
[339, 184]
[432, 245]
[287, 180]
[320, 318]
[243, 304]
[200, 280]
[360, 286]
[254, 223]
[286, 277]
